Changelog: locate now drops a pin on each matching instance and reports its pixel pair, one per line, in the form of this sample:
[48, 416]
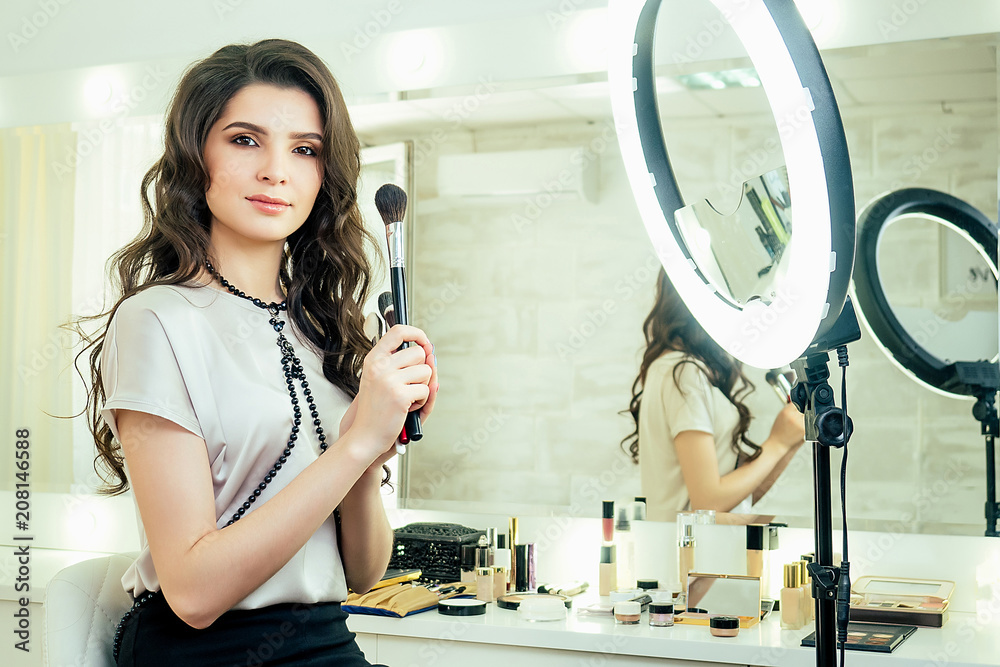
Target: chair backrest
[83, 604]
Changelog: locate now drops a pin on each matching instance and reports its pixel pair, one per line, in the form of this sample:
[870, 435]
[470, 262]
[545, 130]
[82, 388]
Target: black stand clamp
[826, 426]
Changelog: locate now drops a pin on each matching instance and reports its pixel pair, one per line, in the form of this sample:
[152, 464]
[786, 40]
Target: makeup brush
[388, 312]
[390, 200]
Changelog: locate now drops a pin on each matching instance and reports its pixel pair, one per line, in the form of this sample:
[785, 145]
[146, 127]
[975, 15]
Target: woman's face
[266, 144]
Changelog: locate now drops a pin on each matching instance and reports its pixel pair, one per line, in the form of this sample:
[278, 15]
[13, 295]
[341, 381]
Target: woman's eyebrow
[260, 130]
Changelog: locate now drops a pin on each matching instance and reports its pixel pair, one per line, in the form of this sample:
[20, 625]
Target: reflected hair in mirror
[671, 327]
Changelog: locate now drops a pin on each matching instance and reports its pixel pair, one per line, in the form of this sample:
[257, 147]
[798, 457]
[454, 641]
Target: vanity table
[500, 638]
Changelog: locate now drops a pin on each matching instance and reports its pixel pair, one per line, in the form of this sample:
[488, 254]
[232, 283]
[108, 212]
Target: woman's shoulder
[689, 369]
[164, 302]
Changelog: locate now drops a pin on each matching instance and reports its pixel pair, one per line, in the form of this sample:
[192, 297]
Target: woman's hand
[392, 384]
[788, 430]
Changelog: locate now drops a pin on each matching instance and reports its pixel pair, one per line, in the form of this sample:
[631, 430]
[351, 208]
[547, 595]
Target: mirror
[726, 595]
[940, 288]
[740, 253]
[528, 422]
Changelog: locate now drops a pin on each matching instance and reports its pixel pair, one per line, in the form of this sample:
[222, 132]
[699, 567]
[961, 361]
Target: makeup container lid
[462, 607]
[660, 595]
[755, 537]
[772, 536]
[647, 584]
[624, 594]
[491, 537]
[724, 622]
[542, 608]
[469, 556]
[800, 572]
[705, 516]
[501, 541]
[608, 553]
[484, 571]
[608, 511]
[514, 600]
[804, 573]
[809, 558]
[791, 576]
[627, 608]
[661, 608]
[623, 525]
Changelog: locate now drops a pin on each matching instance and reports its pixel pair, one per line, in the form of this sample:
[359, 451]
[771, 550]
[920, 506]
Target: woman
[252, 266]
[691, 423]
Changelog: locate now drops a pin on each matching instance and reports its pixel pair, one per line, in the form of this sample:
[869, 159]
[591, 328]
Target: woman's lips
[266, 207]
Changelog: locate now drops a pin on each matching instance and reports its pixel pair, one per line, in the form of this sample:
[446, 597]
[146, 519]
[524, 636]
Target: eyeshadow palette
[871, 637]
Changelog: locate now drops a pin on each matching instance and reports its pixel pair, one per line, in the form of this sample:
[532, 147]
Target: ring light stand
[961, 379]
[805, 310]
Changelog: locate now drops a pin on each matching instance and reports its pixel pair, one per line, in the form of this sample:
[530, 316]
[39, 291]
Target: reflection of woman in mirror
[691, 424]
[236, 340]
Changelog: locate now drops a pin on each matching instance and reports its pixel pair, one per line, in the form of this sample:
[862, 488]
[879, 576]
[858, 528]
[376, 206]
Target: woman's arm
[366, 538]
[700, 469]
[203, 570]
[775, 473]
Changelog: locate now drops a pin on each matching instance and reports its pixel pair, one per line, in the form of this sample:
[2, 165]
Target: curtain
[69, 197]
[36, 247]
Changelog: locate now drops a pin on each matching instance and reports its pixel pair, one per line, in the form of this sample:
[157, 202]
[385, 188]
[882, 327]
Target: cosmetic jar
[627, 612]
[661, 615]
[542, 608]
[724, 626]
[647, 584]
[624, 594]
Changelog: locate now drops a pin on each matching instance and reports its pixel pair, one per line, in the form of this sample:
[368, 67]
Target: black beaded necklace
[293, 370]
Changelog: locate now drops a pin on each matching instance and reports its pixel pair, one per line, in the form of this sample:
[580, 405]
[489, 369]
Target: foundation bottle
[609, 570]
[484, 584]
[791, 599]
[755, 551]
[625, 544]
[808, 603]
[685, 546]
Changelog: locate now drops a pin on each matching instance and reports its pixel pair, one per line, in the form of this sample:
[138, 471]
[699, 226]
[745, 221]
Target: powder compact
[513, 600]
[462, 607]
[724, 626]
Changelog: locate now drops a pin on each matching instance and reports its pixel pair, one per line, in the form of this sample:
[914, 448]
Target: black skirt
[282, 634]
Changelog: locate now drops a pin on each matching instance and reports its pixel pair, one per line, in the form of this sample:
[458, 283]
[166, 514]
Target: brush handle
[397, 281]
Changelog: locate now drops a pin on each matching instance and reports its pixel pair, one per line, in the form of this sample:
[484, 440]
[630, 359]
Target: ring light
[808, 292]
[902, 348]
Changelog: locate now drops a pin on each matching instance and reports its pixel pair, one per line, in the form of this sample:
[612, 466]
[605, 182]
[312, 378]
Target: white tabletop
[963, 641]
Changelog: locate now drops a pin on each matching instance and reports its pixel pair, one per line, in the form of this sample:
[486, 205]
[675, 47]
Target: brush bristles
[384, 301]
[390, 200]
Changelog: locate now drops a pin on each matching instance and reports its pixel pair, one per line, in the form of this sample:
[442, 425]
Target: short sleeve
[687, 401]
[140, 369]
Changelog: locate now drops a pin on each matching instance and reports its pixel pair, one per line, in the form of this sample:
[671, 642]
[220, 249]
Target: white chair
[83, 604]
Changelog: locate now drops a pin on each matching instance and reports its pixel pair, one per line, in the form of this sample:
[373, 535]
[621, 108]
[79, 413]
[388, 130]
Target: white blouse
[209, 361]
[691, 403]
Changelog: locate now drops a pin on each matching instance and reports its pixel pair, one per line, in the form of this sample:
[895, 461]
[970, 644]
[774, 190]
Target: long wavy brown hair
[325, 273]
[670, 327]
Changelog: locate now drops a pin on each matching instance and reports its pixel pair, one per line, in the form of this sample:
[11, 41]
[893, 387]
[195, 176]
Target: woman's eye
[312, 151]
[243, 136]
